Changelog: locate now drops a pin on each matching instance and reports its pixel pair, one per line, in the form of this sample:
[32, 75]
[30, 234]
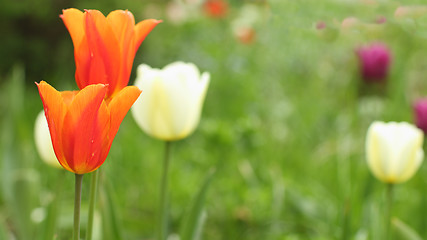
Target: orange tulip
[105, 47]
[82, 124]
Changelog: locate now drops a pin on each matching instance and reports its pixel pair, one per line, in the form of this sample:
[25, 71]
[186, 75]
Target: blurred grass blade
[53, 209]
[3, 231]
[195, 218]
[25, 185]
[20, 183]
[404, 231]
[108, 207]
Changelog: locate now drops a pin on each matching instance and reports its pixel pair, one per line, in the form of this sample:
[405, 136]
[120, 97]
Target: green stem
[77, 201]
[389, 207]
[54, 208]
[346, 219]
[92, 200]
[163, 218]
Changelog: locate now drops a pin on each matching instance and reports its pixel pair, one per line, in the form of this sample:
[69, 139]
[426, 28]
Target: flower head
[413, 12]
[320, 25]
[43, 141]
[381, 20]
[172, 100]
[82, 124]
[244, 25]
[420, 114]
[394, 150]
[374, 61]
[216, 8]
[349, 23]
[105, 47]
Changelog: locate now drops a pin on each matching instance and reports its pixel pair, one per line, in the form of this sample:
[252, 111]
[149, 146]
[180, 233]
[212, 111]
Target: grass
[283, 125]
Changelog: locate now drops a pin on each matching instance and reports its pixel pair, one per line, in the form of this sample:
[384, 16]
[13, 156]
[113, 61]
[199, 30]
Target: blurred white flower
[394, 150]
[350, 23]
[411, 12]
[170, 105]
[243, 26]
[182, 11]
[38, 215]
[43, 141]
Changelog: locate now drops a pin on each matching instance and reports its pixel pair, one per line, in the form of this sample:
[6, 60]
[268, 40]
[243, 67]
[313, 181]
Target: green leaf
[194, 220]
[53, 209]
[405, 231]
[3, 230]
[110, 219]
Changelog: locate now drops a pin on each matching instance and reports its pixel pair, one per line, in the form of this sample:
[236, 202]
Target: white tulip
[170, 105]
[394, 150]
[43, 141]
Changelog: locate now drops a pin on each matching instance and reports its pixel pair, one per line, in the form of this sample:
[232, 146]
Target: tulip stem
[163, 217]
[92, 200]
[388, 214]
[77, 202]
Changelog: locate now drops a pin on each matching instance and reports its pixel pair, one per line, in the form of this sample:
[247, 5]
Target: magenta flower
[374, 61]
[420, 114]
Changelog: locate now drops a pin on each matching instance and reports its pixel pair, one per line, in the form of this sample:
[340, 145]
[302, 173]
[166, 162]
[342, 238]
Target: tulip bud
[170, 106]
[374, 61]
[420, 114]
[394, 150]
[43, 141]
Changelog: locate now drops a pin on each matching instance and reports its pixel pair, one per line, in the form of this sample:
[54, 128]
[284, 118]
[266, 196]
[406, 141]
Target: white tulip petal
[44, 142]
[394, 150]
[171, 100]
[179, 88]
[373, 151]
[415, 165]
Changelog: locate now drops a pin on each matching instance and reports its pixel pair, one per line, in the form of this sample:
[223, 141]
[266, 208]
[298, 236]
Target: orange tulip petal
[55, 110]
[142, 29]
[122, 23]
[103, 133]
[68, 96]
[73, 20]
[83, 129]
[105, 51]
[83, 58]
[119, 106]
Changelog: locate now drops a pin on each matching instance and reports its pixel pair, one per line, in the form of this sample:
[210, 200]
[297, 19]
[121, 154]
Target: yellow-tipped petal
[55, 110]
[74, 21]
[85, 129]
[119, 106]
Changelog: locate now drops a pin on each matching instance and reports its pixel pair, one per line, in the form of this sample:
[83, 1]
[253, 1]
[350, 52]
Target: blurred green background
[283, 124]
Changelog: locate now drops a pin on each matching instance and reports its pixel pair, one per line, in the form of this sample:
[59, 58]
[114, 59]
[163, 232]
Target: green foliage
[284, 124]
